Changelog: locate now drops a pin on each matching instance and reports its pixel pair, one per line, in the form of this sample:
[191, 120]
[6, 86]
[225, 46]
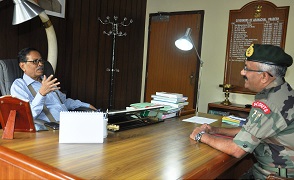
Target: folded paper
[82, 127]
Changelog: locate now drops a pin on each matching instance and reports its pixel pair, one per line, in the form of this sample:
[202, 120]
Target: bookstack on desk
[174, 100]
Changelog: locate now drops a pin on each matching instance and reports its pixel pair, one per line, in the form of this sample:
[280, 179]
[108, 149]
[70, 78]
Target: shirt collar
[28, 79]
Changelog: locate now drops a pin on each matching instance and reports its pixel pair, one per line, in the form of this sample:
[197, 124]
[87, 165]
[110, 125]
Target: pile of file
[174, 100]
[234, 120]
[172, 104]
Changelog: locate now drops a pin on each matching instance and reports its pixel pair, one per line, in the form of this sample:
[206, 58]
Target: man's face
[34, 70]
[252, 78]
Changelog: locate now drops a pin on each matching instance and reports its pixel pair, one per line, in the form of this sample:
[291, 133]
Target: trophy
[226, 88]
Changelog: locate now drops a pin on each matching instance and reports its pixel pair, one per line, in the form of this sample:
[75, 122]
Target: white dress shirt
[20, 89]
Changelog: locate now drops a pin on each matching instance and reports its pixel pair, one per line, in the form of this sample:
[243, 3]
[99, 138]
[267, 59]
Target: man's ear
[21, 65]
[265, 77]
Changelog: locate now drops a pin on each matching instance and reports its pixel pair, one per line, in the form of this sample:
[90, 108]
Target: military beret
[268, 54]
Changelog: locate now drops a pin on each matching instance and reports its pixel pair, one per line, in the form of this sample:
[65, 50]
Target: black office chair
[10, 70]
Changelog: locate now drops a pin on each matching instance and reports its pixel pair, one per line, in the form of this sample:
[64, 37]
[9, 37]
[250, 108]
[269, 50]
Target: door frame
[198, 45]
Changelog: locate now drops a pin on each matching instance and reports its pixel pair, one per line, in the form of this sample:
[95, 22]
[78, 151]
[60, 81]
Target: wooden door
[168, 68]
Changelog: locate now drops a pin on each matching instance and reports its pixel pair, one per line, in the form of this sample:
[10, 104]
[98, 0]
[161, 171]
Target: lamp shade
[24, 11]
[185, 42]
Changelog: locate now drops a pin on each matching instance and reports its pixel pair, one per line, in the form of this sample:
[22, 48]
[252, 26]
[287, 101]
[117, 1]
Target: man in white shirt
[46, 88]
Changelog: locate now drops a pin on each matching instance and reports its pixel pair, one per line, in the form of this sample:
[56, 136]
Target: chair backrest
[10, 70]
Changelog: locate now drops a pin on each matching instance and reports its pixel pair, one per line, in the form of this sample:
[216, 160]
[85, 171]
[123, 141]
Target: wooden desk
[160, 151]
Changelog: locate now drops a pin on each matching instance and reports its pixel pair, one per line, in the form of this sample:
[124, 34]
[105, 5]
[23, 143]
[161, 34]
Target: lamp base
[226, 102]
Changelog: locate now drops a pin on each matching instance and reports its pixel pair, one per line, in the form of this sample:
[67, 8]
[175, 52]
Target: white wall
[216, 17]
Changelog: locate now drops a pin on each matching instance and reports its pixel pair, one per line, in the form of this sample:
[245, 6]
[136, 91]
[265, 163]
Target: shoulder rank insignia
[250, 51]
[262, 106]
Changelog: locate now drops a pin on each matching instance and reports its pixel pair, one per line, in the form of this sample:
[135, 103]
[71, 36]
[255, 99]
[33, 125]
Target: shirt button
[245, 146]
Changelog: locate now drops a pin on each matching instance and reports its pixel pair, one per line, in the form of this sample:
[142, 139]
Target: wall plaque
[259, 22]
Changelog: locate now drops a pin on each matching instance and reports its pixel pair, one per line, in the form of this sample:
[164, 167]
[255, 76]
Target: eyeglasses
[252, 70]
[37, 61]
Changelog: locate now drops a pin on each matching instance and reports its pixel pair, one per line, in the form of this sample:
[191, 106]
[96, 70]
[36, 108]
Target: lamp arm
[200, 74]
[51, 39]
[199, 84]
[201, 62]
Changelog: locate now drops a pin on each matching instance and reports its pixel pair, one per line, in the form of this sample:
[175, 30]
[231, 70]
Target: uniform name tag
[261, 105]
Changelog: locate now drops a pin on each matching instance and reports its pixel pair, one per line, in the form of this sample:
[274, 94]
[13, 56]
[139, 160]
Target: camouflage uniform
[269, 131]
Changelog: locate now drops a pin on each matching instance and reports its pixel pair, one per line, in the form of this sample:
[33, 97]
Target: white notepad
[81, 127]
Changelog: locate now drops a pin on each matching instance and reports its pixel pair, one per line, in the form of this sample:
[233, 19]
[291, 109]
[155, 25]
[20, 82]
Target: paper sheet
[200, 120]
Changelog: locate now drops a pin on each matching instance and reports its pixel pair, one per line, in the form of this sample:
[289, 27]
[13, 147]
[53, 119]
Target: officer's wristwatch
[198, 136]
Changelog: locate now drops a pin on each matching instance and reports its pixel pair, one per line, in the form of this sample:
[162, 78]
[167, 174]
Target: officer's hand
[195, 132]
[207, 128]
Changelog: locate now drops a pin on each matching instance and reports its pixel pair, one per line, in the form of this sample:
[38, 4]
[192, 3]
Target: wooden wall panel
[84, 52]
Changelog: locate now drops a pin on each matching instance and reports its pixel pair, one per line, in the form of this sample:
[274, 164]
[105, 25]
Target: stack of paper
[174, 100]
[233, 120]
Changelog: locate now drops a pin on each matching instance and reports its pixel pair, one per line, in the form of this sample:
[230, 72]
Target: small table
[233, 109]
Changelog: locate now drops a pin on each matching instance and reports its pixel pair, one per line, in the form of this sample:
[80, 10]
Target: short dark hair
[22, 55]
[277, 71]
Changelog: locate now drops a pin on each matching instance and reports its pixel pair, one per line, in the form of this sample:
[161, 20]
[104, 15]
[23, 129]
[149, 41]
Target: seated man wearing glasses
[41, 91]
[269, 130]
